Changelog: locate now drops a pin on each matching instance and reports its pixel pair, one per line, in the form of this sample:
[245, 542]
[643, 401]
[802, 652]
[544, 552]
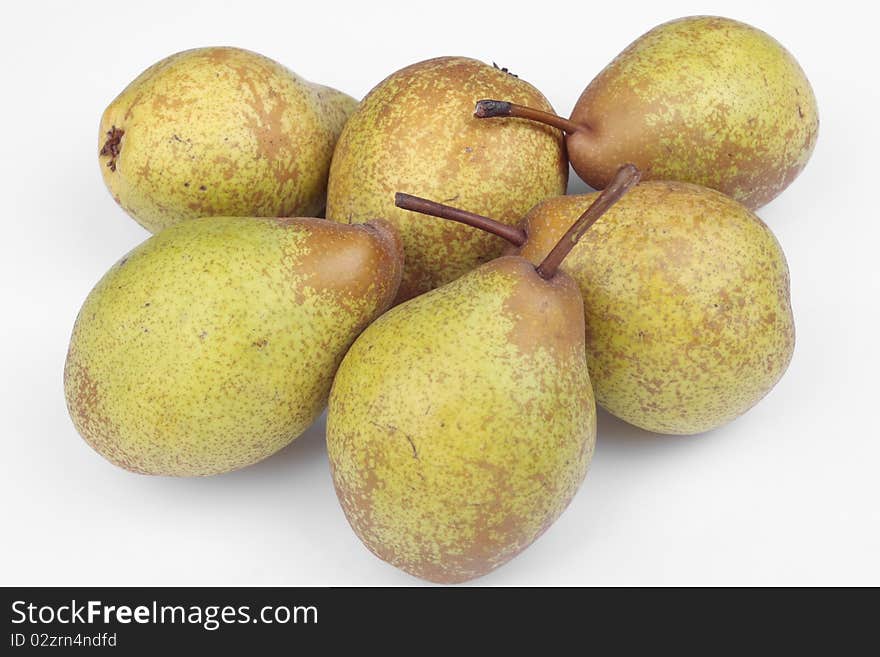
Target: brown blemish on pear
[347, 255]
[529, 302]
[112, 146]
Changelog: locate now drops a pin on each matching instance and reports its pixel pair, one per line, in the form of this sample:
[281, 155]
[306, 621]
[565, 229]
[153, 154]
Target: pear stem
[486, 109]
[513, 234]
[625, 178]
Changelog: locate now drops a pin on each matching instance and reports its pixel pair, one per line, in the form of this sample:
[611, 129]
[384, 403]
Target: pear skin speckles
[705, 100]
[213, 344]
[460, 424]
[415, 133]
[686, 299]
[220, 131]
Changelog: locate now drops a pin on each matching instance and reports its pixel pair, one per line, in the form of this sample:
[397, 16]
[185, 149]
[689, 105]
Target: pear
[461, 423]
[686, 300]
[213, 344]
[415, 131]
[220, 132]
[704, 100]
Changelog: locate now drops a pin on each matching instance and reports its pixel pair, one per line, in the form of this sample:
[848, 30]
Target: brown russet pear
[415, 131]
[214, 343]
[220, 132]
[702, 99]
[686, 300]
[462, 422]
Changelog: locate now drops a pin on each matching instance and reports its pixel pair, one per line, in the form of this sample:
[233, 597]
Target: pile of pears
[411, 264]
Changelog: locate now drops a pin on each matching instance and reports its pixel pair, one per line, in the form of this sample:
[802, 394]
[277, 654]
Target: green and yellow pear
[213, 344]
[461, 423]
[686, 300]
[220, 132]
[703, 99]
[415, 131]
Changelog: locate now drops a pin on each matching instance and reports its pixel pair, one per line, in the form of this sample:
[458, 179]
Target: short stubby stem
[625, 178]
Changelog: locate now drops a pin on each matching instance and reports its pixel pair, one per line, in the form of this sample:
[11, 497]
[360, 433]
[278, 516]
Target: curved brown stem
[513, 234]
[626, 176]
[486, 109]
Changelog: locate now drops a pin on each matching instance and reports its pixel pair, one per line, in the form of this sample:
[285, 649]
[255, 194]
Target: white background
[787, 494]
